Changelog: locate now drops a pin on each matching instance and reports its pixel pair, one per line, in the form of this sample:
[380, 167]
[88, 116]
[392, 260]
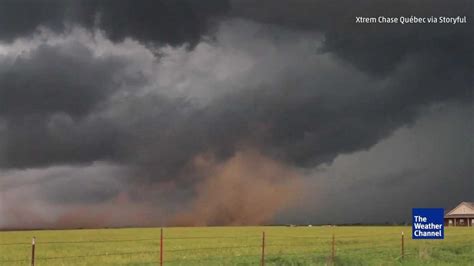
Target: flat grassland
[364, 245]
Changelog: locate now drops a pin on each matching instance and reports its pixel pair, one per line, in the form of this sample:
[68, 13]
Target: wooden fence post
[33, 243]
[403, 245]
[333, 253]
[161, 247]
[263, 249]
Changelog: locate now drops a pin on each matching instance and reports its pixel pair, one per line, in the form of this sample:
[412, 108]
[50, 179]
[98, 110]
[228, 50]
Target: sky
[233, 112]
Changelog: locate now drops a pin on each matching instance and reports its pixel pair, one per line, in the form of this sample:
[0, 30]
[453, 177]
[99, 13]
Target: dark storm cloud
[296, 122]
[298, 118]
[306, 114]
[302, 88]
[377, 48]
[22, 17]
[166, 21]
[426, 164]
[46, 96]
[51, 79]
[163, 21]
[36, 141]
[93, 183]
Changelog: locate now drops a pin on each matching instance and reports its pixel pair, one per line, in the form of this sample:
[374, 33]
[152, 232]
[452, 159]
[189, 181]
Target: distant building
[462, 215]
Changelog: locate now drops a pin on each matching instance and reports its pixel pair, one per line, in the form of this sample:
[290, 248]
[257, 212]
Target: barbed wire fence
[334, 246]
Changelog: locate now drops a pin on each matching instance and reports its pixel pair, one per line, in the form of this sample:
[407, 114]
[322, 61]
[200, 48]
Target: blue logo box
[427, 223]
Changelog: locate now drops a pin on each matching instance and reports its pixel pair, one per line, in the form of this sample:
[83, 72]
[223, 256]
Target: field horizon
[237, 245]
[201, 226]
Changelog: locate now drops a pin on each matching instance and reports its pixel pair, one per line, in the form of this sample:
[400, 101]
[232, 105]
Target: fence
[326, 248]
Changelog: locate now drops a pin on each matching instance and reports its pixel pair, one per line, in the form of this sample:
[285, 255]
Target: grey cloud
[23, 17]
[173, 22]
[47, 99]
[427, 164]
[163, 21]
[42, 141]
[65, 78]
[279, 88]
[376, 48]
[308, 111]
[312, 111]
[67, 184]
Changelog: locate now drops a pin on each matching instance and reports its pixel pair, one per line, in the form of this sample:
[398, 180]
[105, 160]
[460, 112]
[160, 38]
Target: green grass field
[366, 245]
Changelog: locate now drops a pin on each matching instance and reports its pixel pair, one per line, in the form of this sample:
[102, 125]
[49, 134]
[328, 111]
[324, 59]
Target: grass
[365, 245]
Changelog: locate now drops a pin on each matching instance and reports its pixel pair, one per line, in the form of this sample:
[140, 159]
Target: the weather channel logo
[428, 223]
